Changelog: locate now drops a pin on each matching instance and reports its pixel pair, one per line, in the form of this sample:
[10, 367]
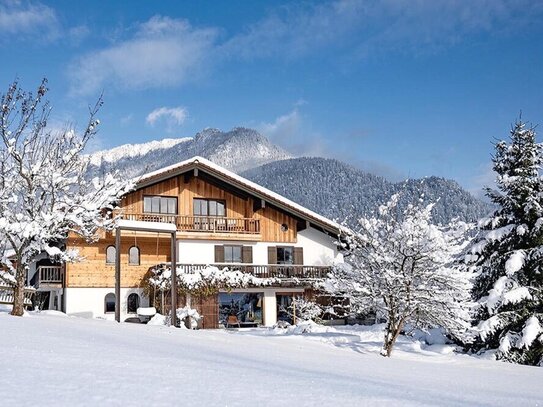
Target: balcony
[279, 271]
[200, 224]
[50, 275]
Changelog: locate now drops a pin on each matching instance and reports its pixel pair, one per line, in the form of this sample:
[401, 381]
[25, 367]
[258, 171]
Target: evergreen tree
[507, 255]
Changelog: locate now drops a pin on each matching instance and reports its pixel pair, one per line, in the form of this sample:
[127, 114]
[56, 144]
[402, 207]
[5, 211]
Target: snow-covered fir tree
[43, 192]
[508, 253]
[400, 266]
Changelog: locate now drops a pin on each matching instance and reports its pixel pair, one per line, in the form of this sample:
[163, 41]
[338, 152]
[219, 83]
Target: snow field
[60, 361]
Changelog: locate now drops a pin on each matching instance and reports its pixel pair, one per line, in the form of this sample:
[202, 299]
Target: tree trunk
[392, 332]
[19, 291]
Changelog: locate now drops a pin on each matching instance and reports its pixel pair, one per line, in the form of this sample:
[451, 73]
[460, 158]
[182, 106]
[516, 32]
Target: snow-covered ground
[51, 359]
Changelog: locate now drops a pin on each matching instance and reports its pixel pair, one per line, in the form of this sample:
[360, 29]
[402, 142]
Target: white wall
[319, 249]
[89, 302]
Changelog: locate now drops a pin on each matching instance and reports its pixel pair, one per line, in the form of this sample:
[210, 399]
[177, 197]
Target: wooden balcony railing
[6, 295]
[280, 271]
[210, 224]
[50, 275]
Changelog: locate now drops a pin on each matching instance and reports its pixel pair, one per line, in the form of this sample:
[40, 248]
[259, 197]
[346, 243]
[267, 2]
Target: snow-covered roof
[151, 226]
[240, 182]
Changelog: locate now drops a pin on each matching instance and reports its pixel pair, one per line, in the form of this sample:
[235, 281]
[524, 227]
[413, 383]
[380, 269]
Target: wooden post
[118, 275]
[174, 279]
[293, 310]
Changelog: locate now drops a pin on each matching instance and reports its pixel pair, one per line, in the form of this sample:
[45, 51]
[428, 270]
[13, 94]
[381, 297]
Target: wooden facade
[95, 272]
[186, 189]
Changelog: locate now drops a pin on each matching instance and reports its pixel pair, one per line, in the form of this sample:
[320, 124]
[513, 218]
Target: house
[204, 215]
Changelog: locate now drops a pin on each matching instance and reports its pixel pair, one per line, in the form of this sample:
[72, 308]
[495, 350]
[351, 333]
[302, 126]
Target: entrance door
[42, 299]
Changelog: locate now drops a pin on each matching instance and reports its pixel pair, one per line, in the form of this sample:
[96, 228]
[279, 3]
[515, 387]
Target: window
[109, 303]
[209, 207]
[232, 254]
[285, 255]
[160, 204]
[134, 256]
[246, 307]
[133, 303]
[110, 255]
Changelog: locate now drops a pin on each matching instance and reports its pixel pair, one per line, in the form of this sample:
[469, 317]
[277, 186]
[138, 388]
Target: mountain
[329, 187]
[340, 191]
[237, 150]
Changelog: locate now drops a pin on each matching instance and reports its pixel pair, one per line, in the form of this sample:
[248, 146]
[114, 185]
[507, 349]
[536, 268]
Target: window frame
[208, 201]
[160, 205]
[114, 254]
[291, 249]
[130, 257]
[231, 247]
[110, 295]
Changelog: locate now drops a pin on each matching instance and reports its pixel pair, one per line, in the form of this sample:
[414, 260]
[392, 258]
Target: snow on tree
[507, 254]
[303, 309]
[401, 266]
[43, 192]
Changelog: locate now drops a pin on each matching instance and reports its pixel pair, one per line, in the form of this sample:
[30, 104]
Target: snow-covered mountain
[330, 187]
[343, 192]
[238, 149]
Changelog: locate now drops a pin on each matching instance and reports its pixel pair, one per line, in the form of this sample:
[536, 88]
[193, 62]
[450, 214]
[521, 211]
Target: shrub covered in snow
[507, 255]
[188, 316]
[204, 281]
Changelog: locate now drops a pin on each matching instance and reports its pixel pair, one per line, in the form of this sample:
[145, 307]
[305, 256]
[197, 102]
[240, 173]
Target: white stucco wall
[89, 302]
[319, 249]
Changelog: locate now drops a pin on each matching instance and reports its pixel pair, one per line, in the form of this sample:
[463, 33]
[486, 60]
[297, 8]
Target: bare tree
[43, 191]
[400, 266]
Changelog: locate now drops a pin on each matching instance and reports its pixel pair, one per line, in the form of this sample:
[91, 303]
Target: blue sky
[401, 88]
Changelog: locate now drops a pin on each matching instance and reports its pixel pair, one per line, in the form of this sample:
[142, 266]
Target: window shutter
[272, 255]
[298, 255]
[247, 254]
[219, 254]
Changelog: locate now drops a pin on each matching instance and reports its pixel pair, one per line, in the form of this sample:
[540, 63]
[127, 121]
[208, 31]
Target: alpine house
[241, 251]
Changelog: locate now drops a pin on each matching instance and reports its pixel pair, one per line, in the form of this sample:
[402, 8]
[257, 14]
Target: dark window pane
[285, 255]
[228, 254]
[163, 205]
[232, 254]
[236, 254]
[200, 207]
[212, 208]
[133, 303]
[221, 210]
[172, 206]
[109, 303]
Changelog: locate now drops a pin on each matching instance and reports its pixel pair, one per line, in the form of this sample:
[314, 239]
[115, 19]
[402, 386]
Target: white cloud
[28, 20]
[163, 52]
[293, 133]
[377, 26]
[172, 115]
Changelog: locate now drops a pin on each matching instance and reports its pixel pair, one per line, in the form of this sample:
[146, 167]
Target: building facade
[219, 218]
